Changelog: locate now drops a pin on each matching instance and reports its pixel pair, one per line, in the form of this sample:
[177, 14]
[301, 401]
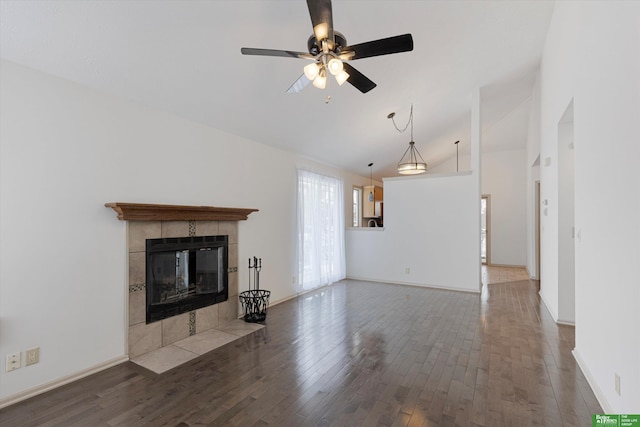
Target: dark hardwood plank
[353, 354]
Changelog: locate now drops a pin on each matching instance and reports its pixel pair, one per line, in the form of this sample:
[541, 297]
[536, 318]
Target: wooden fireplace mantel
[153, 212]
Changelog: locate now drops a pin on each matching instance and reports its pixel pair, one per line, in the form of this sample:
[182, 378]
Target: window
[357, 200]
[320, 248]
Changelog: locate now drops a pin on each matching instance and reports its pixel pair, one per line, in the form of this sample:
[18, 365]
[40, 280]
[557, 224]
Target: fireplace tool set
[255, 301]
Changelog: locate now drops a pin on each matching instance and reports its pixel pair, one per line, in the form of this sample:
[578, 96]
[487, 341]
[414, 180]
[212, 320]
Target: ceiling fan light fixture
[342, 77]
[311, 70]
[321, 80]
[335, 66]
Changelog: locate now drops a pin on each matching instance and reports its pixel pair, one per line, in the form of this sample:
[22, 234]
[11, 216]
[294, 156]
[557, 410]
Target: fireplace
[153, 221]
[184, 274]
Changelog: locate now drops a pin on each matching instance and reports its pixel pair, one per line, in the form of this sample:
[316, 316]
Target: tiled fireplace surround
[144, 338]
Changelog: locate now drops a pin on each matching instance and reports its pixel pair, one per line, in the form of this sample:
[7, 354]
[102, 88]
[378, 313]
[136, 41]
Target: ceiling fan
[329, 52]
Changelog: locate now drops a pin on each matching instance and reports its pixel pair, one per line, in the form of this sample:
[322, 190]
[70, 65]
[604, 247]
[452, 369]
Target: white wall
[452, 164]
[592, 55]
[449, 166]
[65, 150]
[430, 227]
[533, 176]
[566, 220]
[504, 178]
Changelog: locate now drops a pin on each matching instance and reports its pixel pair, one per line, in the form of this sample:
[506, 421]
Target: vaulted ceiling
[183, 56]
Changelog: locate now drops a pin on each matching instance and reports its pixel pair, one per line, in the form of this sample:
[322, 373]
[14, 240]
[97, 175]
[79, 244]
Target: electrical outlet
[617, 382]
[407, 270]
[13, 361]
[32, 356]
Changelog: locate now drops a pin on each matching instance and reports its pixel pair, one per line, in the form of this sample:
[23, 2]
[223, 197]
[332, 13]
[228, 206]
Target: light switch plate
[13, 361]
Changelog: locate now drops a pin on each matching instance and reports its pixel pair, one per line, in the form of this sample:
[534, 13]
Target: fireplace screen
[184, 274]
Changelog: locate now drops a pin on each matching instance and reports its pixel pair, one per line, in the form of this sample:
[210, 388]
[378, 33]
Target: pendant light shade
[411, 162]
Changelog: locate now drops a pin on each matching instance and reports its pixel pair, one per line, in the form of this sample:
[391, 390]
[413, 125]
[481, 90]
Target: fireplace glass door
[183, 275]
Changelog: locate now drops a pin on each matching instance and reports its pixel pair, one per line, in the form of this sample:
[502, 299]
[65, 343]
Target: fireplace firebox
[184, 274]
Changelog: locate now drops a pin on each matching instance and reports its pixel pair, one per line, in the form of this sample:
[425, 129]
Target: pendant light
[371, 183]
[411, 162]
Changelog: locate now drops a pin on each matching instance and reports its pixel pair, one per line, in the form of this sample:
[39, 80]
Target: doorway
[485, 229]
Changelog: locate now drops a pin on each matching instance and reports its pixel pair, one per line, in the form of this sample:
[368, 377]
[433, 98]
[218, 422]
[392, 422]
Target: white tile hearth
[206, 341]
[164, 358]
[239, 327]
[174, 355]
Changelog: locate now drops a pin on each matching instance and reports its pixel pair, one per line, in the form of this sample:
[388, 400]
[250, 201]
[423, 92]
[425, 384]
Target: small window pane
[356, 207]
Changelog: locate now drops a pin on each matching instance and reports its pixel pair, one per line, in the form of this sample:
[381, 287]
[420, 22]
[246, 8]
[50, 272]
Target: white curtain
[320, 248]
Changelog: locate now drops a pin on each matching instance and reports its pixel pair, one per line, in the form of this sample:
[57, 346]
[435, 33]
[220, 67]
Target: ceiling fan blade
[299, 84]
[322, 20]
[276, 52]
[358, 80]
[396, 44]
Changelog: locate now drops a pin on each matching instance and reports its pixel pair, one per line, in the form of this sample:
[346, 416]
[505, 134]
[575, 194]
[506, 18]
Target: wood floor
[354, 354]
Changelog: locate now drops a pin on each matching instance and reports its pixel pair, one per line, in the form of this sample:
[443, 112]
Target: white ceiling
[183, 56]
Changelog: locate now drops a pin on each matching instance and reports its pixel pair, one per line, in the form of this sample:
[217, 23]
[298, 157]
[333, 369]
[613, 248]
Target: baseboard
[418, 285]
[280, 301]
[602, 400]
[507, 266]
[531, 276]
[297, 294]
[555, 319]
[544, 301]
[34, 391]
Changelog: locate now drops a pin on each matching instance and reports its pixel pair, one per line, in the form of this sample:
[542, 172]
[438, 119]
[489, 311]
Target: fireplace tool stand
[255, 301]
